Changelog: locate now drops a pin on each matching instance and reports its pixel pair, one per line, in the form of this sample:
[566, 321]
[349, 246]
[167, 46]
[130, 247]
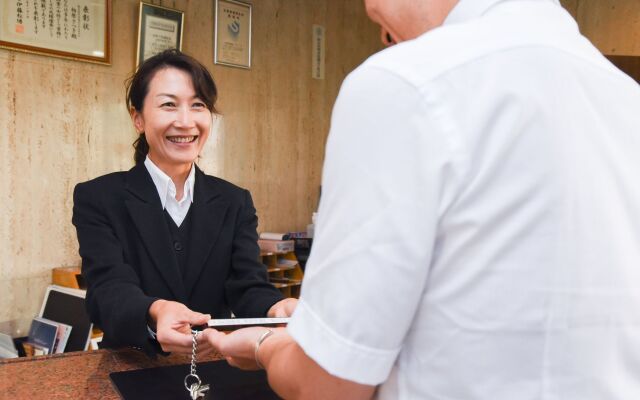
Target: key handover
[196, 389]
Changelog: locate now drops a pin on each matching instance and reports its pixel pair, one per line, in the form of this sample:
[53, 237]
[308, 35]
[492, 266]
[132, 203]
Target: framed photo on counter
[232, 34]
[159, 29]
[75, 29]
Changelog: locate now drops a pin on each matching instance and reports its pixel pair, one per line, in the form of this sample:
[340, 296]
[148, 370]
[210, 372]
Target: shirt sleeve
[375, 230]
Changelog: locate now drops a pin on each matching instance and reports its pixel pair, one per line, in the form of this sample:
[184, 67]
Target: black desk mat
[225, 383]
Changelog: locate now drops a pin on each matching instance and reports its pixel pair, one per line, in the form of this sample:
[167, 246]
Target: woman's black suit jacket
[128, 258]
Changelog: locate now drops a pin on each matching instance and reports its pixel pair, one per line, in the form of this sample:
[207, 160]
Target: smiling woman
[171, 97]
[163, 245]
[174, 120]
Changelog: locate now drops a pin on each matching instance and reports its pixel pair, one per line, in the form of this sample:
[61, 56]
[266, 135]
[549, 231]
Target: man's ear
[136, 118]
[387, 39]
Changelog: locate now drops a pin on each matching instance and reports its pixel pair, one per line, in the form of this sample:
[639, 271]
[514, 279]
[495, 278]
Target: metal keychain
[196, 389]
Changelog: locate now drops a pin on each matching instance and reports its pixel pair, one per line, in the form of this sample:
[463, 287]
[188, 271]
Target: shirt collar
[469, 9]
[165, 186]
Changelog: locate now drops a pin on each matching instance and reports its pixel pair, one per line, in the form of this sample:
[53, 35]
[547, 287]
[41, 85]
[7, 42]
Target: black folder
[225, 383]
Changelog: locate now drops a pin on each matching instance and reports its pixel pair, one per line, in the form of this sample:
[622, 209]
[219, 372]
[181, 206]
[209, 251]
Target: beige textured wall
[612, 25]
[63, 122]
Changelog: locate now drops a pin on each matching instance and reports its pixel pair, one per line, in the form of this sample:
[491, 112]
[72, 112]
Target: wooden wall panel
[64, 122]
[571, 6]
[630, 65]
[612, 25]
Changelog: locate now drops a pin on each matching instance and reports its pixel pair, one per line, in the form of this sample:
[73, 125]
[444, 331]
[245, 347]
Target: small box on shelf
[276, 246]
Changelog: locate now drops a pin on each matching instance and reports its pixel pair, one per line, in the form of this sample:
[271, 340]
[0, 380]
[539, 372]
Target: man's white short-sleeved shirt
[478, 235]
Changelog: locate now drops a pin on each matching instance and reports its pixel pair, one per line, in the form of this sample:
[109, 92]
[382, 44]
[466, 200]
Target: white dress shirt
[478, 235]
[177, 209]
[167, 191]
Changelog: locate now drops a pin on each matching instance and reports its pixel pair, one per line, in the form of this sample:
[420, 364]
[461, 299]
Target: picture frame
[159, 29]
[232, 34]
[74, 29]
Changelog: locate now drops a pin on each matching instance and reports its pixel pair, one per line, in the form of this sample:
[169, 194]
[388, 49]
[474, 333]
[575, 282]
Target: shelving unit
[284, 272]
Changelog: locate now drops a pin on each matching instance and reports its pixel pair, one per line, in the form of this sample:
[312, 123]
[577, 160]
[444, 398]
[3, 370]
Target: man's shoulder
[433, 53]
[444, 49]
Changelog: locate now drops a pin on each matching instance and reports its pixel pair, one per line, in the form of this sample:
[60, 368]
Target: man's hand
[282, 309]
[238, 347]
[173, 321]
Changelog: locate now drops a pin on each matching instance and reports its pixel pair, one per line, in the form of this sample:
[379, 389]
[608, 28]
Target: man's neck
[408, 19]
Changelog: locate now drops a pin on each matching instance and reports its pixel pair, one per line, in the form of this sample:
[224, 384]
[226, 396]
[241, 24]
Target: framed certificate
[75, 29]
[159, 29]
[232, 41]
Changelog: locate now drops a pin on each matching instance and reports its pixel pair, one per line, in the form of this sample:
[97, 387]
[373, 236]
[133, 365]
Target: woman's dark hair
[138, 87]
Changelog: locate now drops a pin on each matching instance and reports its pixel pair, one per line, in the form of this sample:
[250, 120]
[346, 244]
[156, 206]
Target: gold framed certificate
[232, 41]
[159, 29]
[75, 29]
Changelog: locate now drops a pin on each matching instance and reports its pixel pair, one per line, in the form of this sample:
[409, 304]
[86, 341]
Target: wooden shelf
[284, 272]
[281, 285]
[281, 268]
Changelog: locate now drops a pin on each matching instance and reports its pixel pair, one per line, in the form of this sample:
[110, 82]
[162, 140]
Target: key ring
[186, 383]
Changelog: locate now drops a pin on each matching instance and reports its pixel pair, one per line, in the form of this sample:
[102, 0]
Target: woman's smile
[182, 139]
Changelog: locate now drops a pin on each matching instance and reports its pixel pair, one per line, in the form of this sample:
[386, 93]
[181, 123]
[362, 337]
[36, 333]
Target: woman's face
[175, 121]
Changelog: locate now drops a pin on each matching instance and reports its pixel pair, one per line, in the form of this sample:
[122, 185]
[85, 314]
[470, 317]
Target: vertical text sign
[317, 52]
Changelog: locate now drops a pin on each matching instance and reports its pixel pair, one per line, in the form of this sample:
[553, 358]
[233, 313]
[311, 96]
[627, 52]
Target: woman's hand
[282, 309]
[173, 321]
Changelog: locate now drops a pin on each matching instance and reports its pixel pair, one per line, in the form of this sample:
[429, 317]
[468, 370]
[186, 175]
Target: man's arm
[291, 373]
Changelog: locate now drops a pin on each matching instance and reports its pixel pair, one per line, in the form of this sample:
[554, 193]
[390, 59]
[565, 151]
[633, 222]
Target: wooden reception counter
[78, 375]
